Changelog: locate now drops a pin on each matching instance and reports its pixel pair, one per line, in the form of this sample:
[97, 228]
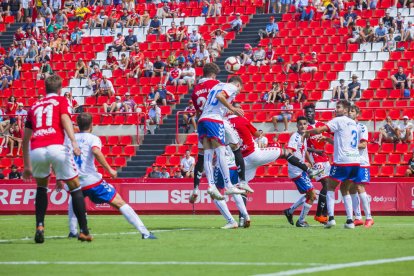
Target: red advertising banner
[163, 198]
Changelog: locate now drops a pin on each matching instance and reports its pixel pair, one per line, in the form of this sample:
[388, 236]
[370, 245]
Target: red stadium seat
[387, 171]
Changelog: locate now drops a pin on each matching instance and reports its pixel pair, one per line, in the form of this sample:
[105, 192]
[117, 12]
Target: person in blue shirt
[161, 95]
[155, 26]
[380, 33]
[349, 17]
[271, 30]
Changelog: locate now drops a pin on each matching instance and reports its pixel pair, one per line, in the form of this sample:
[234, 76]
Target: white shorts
[232, 137]
[326, 166]
[259, 158]
[59, 157]
[308, 69]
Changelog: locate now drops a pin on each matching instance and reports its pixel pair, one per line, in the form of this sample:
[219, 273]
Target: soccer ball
[232, 64]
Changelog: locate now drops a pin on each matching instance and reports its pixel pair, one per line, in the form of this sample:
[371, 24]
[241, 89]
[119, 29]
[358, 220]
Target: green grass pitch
[195, 245]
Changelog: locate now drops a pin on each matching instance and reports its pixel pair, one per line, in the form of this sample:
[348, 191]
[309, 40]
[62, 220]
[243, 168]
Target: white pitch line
[338, 266]
[156, 263]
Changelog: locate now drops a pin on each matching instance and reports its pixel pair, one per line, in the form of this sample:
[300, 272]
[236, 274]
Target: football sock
[208, 166]
[348, 207]
[224, 210]
[222, 165]
[305, 210]
[41, 205]
[330, 202]
[241, 168]
[297, 204]
[321, 202]
[79, 209]
[365, 205]
[73, 221]
[240, 205]
[134, 219]
[198, 170]
[244, 197]
[296, 162]
[355, 206]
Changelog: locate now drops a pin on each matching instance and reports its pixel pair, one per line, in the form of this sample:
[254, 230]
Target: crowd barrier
[149, 196]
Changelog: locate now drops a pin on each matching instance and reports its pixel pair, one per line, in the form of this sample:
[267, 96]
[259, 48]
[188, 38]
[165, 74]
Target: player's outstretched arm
[101, 159]
[27, 173]
[317, 130]
[68, 127]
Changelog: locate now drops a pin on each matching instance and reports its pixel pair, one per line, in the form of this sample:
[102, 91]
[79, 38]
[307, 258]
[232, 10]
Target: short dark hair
[236, 79]
[309, 106]
[301, 118]
[356, 108]
[53, 84]
[210, 69]
[13, 166]
[84, 121]
[345, 104]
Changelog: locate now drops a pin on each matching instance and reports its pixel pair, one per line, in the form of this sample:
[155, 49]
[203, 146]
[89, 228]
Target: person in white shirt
[202, 56]
[188, 75]
[408, 34]
[93, 186]
[187, 165]
[236, 24]
[346, 160]
[357, 190]
[193, 40]
[298, 147]
[105, 88]
[262, 140]
[405, 130]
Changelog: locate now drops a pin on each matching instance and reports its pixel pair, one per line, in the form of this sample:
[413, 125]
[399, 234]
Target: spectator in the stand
[206, 8]
[390, 45]
[159, 68]
[155, 173]
[6, 80]
[330, 12]
[187, 165]
[134, 67]
[182, 31]
[130, 41]
[76, 36]
[216, 8]
[193, 40]
[155, 26]
[99, 20]
[144, 19]
[128, 104]
[299, 91]
[262, 140]
[148, 68]
[56, 44]
[27, 8]
[17, 68]
[405, 130]
[21, 113]
[171, 33]
[297, 65]
[181, 59]
[354, 88]
[150, 97]
[73, 104]
[354, 34]
[20, 52]
[174, 75]
[11, 109]
[408, 34]
[367, 33]
[275, 6]
[14, 174]
[285, 5]
[113, 107]
[399, 22]
[340, 92]
[81, 11]
[124, 19]
[117, 44]
[285, 116]
[259, 55]
[55, 5]
[15, 138]
[45, 52]
[214, 49]
[4, 124]
[271, 29]
[410, 170]
[105, 88]
[307, 12]
[164, 11]
[270, 55]
[154, 116]
[311, 64]
[61, 18]
[283, 93]
[275, 143]
[388, 21]
[171, 59]
[45, 70]
[161, 95]
[46, 12]
[400, 80]
[245, 57]
[389, 132]
[366, 4]
[28, 24]
[94, 79]
[81, 69]
[404, 3]
[380, 33]
[123, 62]
[111, 62]
[236, 24]
[177, 173]
[189, 119]
[188, 76]
[271, 95]
[202, 56]
[164, 173]
[410, 78]
[349, 17]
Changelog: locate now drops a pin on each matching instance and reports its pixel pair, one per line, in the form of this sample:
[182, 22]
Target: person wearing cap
[388, 132]
[405, 130]
[282, 95]
[190, 117]
[187, 165]
[73, 104]
[202, 56]
[154, 117]
[21, 113]
[155, 26]
[236, 24]
[340, 92]
[310, 65]
[188, 75]
[285, 116]
[173, 75]
[130, 41]
[381, 32]
[117, 44]
[177, 173]
[164, 172]
[155, 173]
[245, 57]
[259, 55]
[271, 29]
[171, 34]
[297, 65]
[128, 104]
[193, 40]
[400, 80]
[408, 34]
[354, 88]
[105, 88]
[114, 107]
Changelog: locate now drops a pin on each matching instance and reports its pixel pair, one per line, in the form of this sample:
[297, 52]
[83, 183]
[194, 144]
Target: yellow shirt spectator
[81, 12]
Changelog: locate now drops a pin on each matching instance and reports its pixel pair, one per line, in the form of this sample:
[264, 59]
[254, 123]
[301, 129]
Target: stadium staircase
[7, 32]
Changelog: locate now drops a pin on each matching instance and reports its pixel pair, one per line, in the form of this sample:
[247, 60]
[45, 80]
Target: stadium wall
[162, 196]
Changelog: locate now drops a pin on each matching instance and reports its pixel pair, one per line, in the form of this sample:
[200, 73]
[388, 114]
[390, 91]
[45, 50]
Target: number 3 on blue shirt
[354, 139]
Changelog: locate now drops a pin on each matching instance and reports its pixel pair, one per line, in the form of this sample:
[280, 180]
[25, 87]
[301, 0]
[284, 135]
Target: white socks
[365, 205]
[208, 166]
[297, 204]
[330, 202]
[224, 210]
[304, 212]
[240, 205]
[222, 165]
[134, 219]
[355, 206]
[73, 221]
[348, 206]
